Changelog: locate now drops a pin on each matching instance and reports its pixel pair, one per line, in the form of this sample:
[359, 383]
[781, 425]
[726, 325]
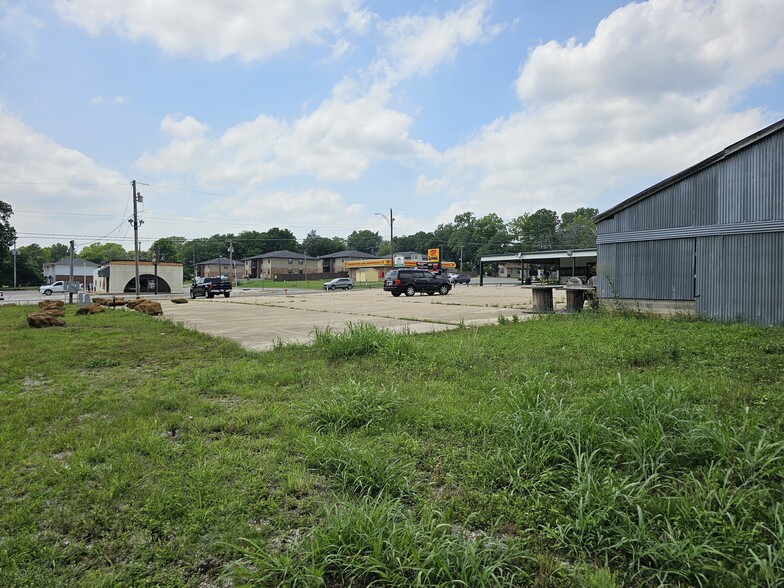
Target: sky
[323, 115]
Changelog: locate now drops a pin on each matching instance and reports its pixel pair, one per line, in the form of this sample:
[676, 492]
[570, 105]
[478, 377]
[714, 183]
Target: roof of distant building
[219, 260]
[350, 253]
[283, 254]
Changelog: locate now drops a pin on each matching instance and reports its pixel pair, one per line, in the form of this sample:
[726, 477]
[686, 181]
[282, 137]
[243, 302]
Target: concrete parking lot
[260, 320]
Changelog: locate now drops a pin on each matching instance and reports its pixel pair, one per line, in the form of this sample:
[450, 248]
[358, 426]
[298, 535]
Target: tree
[315, 245]
[537, 231]
[577, 230]
[419, 242]
[250, 243]
[103, 253]
[7, 232]
[364, 240]
[56, 252]
[166, 248]
[491, 236]
[29, 265]
[276, 239]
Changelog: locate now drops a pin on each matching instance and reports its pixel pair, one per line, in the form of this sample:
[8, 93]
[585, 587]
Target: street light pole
[391, 222]
[135, 222]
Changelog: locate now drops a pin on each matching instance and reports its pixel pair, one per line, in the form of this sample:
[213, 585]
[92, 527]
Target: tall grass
[359, 339]
[353, 405]
[641, 475]
[379, 542]
[588, 450]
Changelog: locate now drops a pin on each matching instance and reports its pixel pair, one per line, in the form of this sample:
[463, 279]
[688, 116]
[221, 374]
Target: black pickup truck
[208, 287]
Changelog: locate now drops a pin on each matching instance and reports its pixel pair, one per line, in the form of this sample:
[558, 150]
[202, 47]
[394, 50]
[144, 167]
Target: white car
[57, 287]
[342, 283]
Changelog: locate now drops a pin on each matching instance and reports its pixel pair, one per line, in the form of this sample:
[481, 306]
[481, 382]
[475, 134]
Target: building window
[301, 261]
[290, 261]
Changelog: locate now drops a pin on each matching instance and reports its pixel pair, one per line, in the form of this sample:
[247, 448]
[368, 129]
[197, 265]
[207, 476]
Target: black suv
[411, 281]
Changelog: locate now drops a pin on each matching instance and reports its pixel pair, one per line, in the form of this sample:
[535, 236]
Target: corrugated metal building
[709, 240]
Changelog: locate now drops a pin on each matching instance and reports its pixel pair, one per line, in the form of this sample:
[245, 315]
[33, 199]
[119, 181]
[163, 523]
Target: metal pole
[135, 224]
[157, 256]
[15, 254]
[70, 276]
[391, 247]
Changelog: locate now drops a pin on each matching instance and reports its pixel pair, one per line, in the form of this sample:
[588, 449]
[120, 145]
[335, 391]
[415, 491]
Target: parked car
[342, 283]
[459, 278]
[411, 281]
[58, 287]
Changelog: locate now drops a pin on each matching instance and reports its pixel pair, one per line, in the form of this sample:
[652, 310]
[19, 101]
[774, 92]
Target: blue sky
[317, 114]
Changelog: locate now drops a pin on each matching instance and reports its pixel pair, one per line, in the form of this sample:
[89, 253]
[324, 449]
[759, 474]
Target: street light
[390, 221]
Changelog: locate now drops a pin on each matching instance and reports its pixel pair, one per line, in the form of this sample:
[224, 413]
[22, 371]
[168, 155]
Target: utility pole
[156, 259]
[15, 254]
[231, 264]
[70, 276]
[391, 222]
[135, 222]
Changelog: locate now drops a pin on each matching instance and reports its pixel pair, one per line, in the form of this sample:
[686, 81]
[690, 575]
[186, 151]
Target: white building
[118, 277]
[61, 270]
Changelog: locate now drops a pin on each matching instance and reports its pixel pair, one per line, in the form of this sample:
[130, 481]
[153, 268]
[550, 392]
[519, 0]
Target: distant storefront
[119, 277]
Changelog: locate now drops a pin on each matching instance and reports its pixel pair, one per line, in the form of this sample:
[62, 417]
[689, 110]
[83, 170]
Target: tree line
[464, 240]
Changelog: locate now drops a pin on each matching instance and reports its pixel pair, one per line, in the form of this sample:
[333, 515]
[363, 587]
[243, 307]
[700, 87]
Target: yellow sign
[433, 254]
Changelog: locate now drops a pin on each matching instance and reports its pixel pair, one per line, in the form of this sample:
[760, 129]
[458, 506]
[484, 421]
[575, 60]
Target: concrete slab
[260, 320]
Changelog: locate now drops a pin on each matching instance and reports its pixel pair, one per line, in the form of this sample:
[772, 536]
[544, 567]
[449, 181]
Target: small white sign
[400, 261]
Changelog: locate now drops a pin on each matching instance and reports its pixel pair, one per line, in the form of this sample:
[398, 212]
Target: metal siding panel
[751, 186]
[652, 270]
[738, 278]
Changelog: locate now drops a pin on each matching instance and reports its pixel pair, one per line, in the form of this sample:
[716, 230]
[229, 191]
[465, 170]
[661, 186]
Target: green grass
[587, 450]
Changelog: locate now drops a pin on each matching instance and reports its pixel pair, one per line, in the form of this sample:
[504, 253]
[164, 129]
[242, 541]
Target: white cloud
[345, 134]
[19, 31]
[651, 93]
[417, 45]
[37, 173]
[649, 50]
[247, 29]
[117, 100]
[336, 142]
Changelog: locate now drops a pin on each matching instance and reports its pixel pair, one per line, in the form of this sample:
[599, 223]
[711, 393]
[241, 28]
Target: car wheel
[410, 290]
[443, 290]
[209, 294]
[48, 292]
[430, 293]
[193, 295]
[226, 294]
[332, 287]
[395, 294]
[349, 287]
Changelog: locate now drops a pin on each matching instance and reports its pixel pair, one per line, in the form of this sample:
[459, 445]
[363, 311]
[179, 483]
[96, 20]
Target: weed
[360, 339]
[353, 405]
[378, 542]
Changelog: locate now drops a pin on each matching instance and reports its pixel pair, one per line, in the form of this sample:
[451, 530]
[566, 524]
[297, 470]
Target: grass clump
[351, 406]
[642, 475]
[359, 339]
[360, 469]
[380, 542]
